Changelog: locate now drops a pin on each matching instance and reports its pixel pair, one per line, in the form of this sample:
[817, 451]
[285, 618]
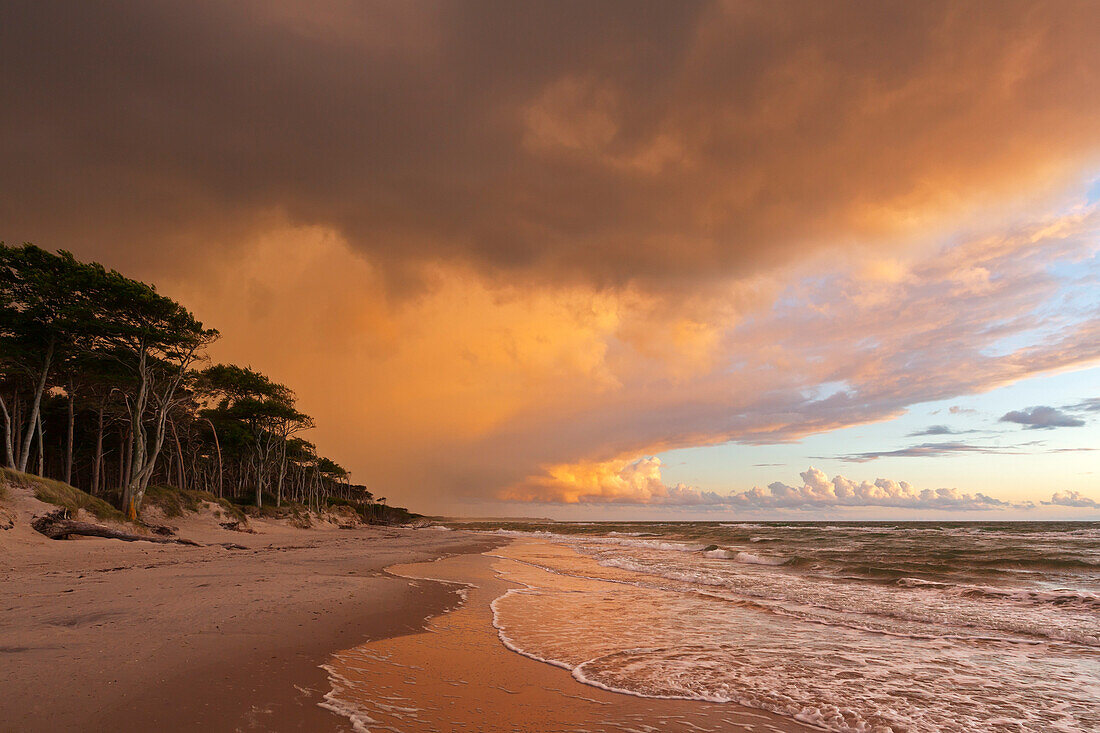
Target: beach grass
[178, 502]
[61, 494]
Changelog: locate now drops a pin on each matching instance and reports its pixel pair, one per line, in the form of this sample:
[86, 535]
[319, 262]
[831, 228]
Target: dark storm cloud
[602, 141]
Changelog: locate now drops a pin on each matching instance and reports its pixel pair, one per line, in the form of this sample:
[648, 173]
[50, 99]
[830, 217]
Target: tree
[266, 408]
[157, 340]
[46, 306]
[98, 370]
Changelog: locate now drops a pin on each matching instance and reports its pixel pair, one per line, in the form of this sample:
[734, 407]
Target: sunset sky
[603, 259]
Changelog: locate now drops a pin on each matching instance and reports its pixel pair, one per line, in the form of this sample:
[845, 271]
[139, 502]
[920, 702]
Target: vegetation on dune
[105, 386]
[59, 494]
[175, 502]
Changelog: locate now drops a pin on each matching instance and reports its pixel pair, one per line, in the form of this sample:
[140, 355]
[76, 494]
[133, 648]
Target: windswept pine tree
[105, 384]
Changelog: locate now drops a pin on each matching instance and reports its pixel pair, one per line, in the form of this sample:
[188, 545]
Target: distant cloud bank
[1074, 499]
[640, 483]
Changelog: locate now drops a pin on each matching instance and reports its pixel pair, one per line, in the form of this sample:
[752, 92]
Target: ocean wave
[334, 701]
[603, 539]
[744, 557]
[760, 631]
[1055, 597]
[877, 613]
[751, 559]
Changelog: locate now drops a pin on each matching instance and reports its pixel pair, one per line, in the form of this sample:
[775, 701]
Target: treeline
[105, 385]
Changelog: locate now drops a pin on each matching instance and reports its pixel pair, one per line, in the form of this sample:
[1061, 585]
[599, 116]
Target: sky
[621, 260]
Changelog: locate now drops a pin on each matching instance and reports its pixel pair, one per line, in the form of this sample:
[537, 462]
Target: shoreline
[459, 674]
[106, 635]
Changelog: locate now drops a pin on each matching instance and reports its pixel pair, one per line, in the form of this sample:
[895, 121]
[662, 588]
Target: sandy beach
[285, 630]
[99, 634]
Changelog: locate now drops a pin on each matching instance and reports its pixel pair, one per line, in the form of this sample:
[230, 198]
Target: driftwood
[58, 526]
[236, 526]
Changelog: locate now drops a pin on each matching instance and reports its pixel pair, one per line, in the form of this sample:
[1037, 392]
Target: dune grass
[61, 494]
[177, 502]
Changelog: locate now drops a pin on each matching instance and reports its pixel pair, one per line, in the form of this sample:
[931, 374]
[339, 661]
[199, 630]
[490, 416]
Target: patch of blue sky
[827, 389]
[1024, 465]
[1092, 193]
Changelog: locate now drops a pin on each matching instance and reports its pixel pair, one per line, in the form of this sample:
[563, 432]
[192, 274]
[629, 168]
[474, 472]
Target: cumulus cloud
[1042, 417]
[640, 482]
[1074, 499]
[818, 491]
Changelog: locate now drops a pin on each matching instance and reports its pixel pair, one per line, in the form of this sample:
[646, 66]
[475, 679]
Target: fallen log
[58, 526]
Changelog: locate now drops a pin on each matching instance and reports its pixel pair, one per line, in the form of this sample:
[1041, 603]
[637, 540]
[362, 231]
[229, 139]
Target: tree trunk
[9, 455]
[259, 490]
[219, 448]
[179, 452]
[126, 445]
[25, 455]
[145, 461]
[97, 464]
[69, 439]
[17, 427]
[41, 448]
[131, 499]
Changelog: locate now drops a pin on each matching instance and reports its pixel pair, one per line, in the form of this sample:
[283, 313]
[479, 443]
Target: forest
[105, 384]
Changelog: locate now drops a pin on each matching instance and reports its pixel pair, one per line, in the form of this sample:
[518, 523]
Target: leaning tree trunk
[9, 454]
[145, 457]
[126, 441]
[39, 388]
[41, 448]
[97, 464]
[69, 440]
[179, 452]
[219, 448]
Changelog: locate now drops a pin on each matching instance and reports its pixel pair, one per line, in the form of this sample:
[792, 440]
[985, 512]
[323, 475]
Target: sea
[893, 626]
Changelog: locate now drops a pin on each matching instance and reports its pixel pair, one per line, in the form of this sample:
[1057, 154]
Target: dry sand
[100, 635]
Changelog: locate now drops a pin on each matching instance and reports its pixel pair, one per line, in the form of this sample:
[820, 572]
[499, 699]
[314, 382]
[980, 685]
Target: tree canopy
[106, 382]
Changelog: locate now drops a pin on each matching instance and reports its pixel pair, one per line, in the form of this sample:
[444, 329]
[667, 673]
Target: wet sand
[458, 676]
